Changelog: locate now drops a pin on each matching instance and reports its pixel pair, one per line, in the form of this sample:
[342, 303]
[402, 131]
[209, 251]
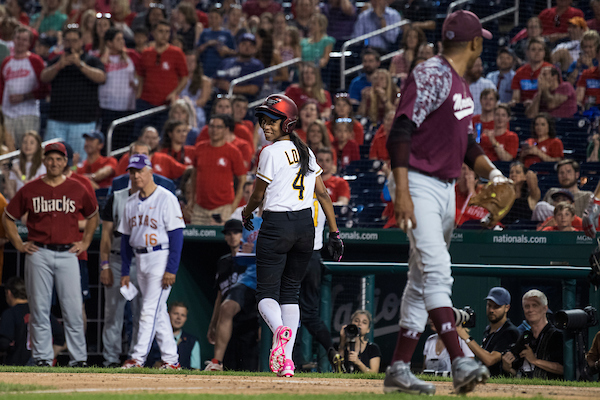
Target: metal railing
[16, 153]
[455, 4]
[265, 71]
[129, 118]
[514, 9]
[359, 39]
[343, 72]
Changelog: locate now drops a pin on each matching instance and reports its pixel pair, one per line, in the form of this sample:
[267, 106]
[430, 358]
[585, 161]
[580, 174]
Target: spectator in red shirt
[500, 143]
[466, 187]
[347, 149]
[555, 20]
[378, 150]
[342, 108]
[543, 145]
[173, 142]
[588, 87]
[217, 165]
[258, 7]
[553, 96]
[121, 12]
[222, 105]
[564, 214]
[485, 121]
[310, 87]
[162, 74]
[239, 105]
[243, 146]
[337, 187]
[98, 169]
[525, 84]
[162, 164]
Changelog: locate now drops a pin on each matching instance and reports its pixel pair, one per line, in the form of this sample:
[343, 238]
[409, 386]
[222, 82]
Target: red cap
[463, 26]
[58, 147]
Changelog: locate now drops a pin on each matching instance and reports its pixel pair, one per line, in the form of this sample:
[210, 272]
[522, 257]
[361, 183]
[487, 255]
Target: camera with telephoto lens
[352, 332]
[519, 346]
[578, 319]
[465, 317]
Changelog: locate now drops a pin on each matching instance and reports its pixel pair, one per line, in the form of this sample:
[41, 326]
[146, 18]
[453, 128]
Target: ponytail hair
[303, 152]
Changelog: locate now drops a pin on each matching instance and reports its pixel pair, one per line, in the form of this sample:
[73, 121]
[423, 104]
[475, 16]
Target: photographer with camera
[499, 335]
[541, 355]
[593, 356]
[357, 352]
[436, 359]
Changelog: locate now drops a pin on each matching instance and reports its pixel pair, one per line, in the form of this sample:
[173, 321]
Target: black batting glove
[247, 221]
[335, 246]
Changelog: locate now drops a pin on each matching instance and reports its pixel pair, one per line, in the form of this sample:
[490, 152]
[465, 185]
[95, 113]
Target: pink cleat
[288, 369]
[282, 335]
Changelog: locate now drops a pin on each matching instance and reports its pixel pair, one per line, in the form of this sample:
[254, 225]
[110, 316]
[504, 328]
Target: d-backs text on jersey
[462, 107]
[41, 205]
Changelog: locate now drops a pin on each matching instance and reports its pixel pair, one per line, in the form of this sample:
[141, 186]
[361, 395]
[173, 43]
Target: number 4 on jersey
[299, 185]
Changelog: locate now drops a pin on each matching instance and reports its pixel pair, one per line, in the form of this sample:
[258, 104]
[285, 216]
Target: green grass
[14, 387]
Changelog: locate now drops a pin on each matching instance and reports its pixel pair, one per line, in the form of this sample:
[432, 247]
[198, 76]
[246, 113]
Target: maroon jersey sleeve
[17, 206]
[426, 89]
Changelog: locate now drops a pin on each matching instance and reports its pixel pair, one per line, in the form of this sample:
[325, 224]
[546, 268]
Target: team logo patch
[450, 35]
[165, 66]
[446, 327]
[272, 101]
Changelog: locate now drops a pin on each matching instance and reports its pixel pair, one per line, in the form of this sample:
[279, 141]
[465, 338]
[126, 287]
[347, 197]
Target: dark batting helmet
[278, 106]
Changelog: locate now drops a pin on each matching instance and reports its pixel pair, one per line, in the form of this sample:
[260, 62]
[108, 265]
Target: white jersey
[148, 221]
[19, 78]
[279, 166]
[117, 94]
[319, 221]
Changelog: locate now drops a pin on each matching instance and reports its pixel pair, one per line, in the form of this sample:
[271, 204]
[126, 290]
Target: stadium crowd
[71, 68]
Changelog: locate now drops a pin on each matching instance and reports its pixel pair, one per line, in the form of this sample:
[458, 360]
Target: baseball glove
[497, 198]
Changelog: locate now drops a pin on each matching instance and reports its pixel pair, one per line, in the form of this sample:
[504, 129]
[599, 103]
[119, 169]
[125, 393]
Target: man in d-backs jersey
[53, 204]
[152, 228]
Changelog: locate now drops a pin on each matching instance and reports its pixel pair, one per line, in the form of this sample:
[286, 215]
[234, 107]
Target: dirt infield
[65, 382]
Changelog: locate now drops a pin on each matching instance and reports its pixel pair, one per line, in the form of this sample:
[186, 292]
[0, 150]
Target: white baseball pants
[429, 284]
[154, 317]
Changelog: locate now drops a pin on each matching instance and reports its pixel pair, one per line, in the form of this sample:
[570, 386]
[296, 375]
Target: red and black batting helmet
[278, 106]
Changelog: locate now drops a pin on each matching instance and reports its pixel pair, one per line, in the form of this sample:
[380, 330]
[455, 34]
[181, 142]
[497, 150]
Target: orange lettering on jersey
[141, 221]
[146, 221]
[153, 224]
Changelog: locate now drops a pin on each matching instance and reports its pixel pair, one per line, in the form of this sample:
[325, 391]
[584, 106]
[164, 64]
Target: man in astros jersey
[152, 228]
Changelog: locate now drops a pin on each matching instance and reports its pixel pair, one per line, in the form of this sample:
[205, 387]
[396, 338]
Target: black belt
[54, 247]
[143, 250]
[116, 252]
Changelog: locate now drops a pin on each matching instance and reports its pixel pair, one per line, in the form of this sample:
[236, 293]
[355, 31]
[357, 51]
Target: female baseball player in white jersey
[289, 176]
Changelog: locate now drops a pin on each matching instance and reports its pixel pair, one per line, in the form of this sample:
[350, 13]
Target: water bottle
[478, 129]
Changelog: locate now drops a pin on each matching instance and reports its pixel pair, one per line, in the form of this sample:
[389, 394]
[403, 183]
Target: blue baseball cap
[499, 295]
[95, 135]
[247, 36]
[139, 161]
